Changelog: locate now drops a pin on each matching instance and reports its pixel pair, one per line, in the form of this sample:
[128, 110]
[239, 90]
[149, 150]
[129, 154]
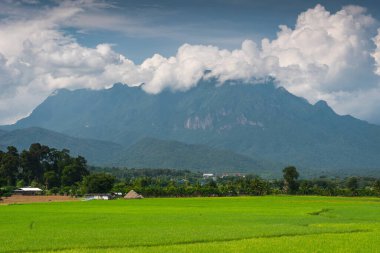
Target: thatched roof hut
[133, 195]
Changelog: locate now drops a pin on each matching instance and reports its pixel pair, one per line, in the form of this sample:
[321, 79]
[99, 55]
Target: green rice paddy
[238, 224]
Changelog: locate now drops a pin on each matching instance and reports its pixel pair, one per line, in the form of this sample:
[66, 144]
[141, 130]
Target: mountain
[97, 152]
[2, 147]
[2, 132]
[256, 120]
[146, 153]
[154, 153]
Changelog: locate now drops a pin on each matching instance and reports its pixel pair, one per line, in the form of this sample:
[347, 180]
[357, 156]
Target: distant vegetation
[57, 172]
[155, 153]
[184, 183]
[96, 152]
[41, 166]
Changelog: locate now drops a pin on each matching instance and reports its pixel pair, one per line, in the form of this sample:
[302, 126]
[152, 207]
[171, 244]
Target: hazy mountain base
[147, 153]
[97, 152]
[154, 153]
[259, 121]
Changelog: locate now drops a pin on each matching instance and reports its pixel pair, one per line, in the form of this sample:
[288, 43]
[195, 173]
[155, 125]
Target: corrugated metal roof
[29, 189]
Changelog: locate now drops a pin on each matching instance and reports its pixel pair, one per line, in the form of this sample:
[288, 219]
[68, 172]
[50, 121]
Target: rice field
[238, 224]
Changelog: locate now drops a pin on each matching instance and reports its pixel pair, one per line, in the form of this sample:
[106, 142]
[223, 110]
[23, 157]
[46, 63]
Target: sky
[319, 50]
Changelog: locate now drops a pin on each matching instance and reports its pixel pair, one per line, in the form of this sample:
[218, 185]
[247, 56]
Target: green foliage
[126, 173]
[98, 183]
[9, 164]
[376, 187]
[353, 185]
[168, 182]
[154, 153]
[290, 179]
[41, 166]
[96, 151]
[6, 191]
[74, 172]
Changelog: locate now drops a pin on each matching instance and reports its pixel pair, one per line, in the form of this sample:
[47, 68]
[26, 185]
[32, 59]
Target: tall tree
[290, 179]
[376, 187]
[74, 172]
[353, 185]
[9, 166]
[33, 162]
[98, 183]
[51, 179]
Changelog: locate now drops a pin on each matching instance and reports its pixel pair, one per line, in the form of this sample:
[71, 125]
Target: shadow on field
[198, 241]
[319, 212]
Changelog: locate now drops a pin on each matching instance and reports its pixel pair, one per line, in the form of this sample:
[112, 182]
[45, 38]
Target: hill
[2, 132]
[146, 153]
[154, 153]
[96, 152]
[260, 121]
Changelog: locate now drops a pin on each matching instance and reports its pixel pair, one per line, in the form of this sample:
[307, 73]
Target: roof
[29, 189]
[133, 195]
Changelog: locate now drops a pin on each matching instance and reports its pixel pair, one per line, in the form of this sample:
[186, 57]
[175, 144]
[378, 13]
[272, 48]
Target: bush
[98, 183]
[6, 191]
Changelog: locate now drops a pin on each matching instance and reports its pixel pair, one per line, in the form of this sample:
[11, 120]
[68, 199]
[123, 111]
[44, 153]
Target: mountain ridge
[146, 153]
[94, 150]
[154, 153]
[256, 120]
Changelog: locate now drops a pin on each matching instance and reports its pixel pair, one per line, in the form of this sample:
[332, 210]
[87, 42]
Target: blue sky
[169, 24]
[320, 50]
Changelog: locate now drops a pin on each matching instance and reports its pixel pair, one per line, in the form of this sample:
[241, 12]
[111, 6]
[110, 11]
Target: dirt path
[19, 199]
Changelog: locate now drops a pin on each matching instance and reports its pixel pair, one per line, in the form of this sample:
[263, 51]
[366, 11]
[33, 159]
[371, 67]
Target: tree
[34, 162]
[376, 187]
[257, 186]
[51, 179]
[98, 183]
[290, 179]
[74, 172]
[9, 166]
[353, 185]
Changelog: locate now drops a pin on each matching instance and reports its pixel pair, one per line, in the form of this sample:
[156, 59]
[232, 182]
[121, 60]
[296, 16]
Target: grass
[239, 224]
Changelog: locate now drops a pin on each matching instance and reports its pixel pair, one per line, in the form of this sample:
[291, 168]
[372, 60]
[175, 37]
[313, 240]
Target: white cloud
[326, 56]
[376, 53]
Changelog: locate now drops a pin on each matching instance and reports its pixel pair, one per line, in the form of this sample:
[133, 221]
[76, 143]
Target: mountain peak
[58, 91]
[118, 85]
[322, 105]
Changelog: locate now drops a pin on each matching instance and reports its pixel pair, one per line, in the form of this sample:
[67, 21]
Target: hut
[27, 191]
[133, 195]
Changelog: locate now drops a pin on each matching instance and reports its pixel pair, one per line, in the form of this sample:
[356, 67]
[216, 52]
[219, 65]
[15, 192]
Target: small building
[133, 195]
[98, 196]
[208, 175]
[28, 191]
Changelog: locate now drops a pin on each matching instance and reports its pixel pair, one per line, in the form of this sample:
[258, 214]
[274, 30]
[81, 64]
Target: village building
[208, 175]
[98, 196]
[28, 191]
[133, 195]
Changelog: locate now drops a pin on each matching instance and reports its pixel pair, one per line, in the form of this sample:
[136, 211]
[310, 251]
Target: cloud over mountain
[330, 56]
[376, 53]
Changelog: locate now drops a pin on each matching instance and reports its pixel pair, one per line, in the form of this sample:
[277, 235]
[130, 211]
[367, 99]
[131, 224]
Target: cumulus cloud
[325, 56]
[376, 53]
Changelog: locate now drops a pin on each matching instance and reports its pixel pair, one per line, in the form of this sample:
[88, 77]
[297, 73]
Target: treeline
[41, 166]
[127, 174]
[184, 183]
[57, 172]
